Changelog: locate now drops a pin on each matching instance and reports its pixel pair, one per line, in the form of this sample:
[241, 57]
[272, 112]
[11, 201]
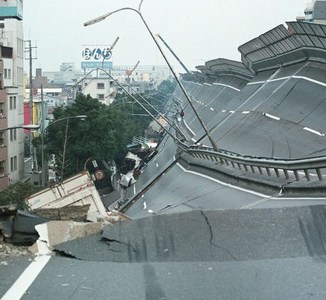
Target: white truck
[77, 190]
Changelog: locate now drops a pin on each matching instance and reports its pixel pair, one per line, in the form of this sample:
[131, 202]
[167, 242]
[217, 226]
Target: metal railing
[300, 168]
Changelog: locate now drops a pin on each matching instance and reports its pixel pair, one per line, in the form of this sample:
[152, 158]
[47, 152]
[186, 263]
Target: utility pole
[29, 50]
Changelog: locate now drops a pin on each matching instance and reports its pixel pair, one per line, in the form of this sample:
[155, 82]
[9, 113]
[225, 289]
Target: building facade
[11, 92]
[314, 13]
[99, 87]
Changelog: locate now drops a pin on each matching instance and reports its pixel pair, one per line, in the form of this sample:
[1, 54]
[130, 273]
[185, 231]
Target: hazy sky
[196, 30]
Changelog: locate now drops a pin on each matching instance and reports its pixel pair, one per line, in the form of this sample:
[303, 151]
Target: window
[7, 73]
[13, 163]
[2, 106]
[13, 134]
[100, 86]
[12, 102]
[2, 168]
[100, 96]
[2, 139]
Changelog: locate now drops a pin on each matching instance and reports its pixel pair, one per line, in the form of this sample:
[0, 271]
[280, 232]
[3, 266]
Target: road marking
[271, 116]
[266, 198]
[184, 122]
[25, 280]
[288, 77]
[225, 85]
[145, 205]
[313, 131]
[223, 183]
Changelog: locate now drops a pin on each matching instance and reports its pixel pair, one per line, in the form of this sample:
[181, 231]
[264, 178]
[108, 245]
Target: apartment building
[11, 92]
[315, 12]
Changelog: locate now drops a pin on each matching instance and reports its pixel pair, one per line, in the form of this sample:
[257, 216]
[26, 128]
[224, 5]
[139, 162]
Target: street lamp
[27, 127]
[103, 17]
[44, 168]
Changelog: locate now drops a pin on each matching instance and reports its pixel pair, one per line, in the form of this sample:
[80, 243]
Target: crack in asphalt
[128, 245]
[212, 237]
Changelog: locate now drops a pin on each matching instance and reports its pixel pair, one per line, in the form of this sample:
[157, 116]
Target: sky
[197, 31]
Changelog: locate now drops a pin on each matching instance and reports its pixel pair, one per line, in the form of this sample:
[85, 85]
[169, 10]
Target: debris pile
[66, 211]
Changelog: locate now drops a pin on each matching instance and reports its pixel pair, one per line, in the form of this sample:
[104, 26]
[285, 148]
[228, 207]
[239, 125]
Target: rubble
[57, 214]
[8, 250]
[72, 213]
[57, 232]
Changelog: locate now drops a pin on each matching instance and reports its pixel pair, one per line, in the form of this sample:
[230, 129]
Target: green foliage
[16, 193]
[167, 87]
[103, 135]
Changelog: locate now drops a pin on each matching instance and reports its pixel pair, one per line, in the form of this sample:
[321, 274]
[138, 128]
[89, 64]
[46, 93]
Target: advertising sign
[96, 57]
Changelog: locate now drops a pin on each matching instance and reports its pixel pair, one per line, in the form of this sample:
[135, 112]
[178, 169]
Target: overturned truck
[78, 190]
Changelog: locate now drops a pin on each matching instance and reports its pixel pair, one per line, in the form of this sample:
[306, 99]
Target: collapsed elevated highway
[242, 219]
[265, 115]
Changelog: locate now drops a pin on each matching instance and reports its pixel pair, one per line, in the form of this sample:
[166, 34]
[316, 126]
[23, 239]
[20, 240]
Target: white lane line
[211, 108]
[288, 77]
[25, 280]
[145, 205]
[184, 122]
[266, 198]
[207, 84]
[309, 79]
[134, 189]
[228, 86]
[313, 131]
[271, 116]
[246, 112]
[231, 111]
[156, 165]
[223, 183]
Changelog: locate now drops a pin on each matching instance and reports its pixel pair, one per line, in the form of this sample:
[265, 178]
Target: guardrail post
[320, 175]
[286, 173]
[245, 167]
[239, 166]
[306, 172]
[216, 159]
[252, 169]
[297, 178]
[268, 171]
[260, 170]
[277, 173]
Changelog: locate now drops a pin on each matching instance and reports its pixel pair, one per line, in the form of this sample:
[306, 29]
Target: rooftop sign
[96, 57]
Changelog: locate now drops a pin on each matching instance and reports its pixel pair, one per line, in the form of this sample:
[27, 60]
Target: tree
[16, 193]
[103, 135]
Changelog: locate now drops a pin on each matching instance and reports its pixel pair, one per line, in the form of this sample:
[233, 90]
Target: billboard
[11, 8]
[96, 57]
